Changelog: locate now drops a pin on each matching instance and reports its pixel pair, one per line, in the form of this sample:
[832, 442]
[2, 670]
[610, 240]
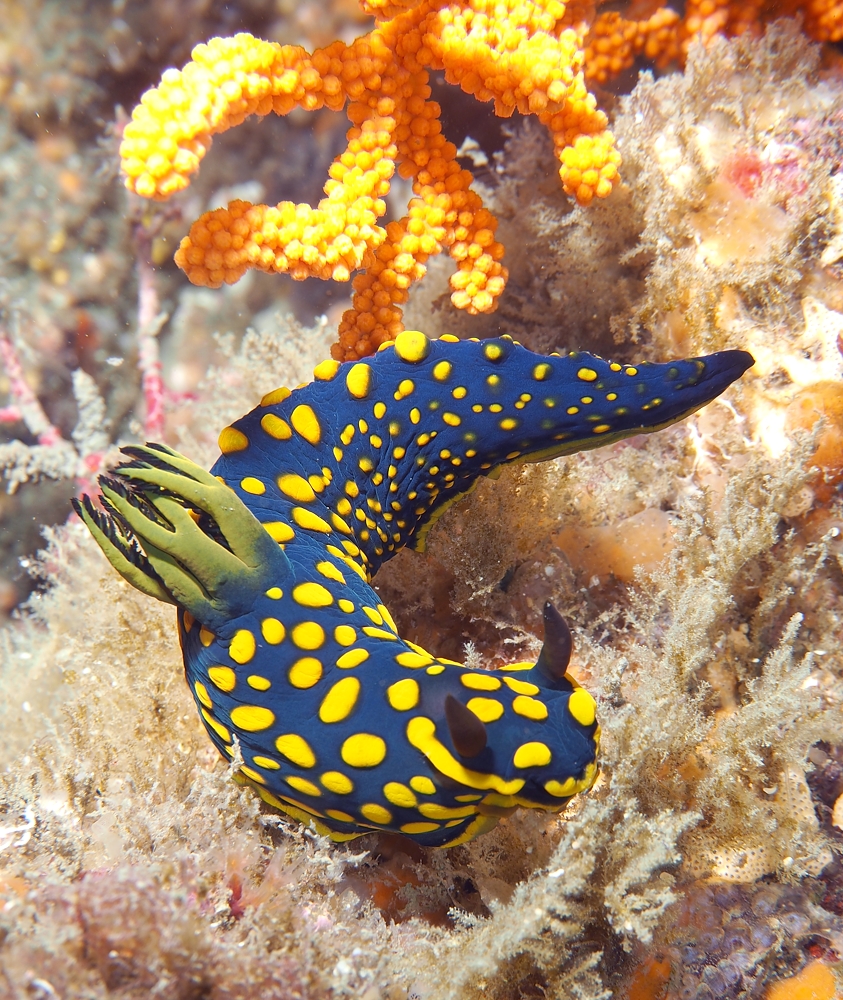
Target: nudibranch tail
[287, 648]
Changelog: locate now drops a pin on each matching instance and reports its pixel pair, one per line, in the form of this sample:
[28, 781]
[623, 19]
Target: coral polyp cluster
[522, 55]
[665, 36]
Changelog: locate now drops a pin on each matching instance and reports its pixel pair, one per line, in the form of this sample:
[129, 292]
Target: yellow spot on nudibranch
[399, 795]
[406, 387]
[486, 709]
[353, 658]
[582, 706]
[339, 702]
[275, 397]
[275, 427]
[312, 522]
[306, 423]
[412, 346]
[258, 683]
[435, 811]
[304, 673]
[253, 486]
[312, 595]
[373, 615]
[561, 789]
[418, 659]
[412, 828]
[493, 352]
[337, 782]
[387, 617]
[267, 762]
[358, 381]
[338, 814]
[279, 531]
[275, 593]
[508, 424]
[630, 371]
[532, 755]
[529, 708]
[296, 488]
[308, 635]
[520, 687]
[345, 635]
[302, 785]
[326, 370]
[217, 727]
[587, 374]
[242, 647]
[542, 372]
[403, 695]
[252, 718]
[223, 678]
[451, 419]
[273, 631]
[601, 428]
[480, 682]
[296, 749]
[441, 370]
[202, 694]
[206, 636]
[375, 813]
[377, 633]
[232, 440]
[363, 750]
[422, 784]
[330, 572]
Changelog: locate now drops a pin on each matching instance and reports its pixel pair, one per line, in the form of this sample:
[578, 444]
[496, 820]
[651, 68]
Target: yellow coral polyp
[520, 54]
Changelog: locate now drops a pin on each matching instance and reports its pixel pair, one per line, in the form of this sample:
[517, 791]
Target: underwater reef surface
[701, 569]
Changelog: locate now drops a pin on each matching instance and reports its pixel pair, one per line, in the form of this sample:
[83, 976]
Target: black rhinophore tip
[468, 734]
[558, 645]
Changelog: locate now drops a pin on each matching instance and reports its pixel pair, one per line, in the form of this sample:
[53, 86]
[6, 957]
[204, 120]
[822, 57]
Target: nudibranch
[269, 558]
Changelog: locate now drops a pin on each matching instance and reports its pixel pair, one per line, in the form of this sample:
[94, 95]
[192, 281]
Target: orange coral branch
[615, 41]
[520, 54]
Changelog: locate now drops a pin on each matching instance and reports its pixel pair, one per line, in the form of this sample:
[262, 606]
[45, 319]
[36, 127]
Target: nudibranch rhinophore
[269, 559]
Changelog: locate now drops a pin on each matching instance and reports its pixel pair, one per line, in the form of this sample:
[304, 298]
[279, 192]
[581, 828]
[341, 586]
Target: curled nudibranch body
[341, 723]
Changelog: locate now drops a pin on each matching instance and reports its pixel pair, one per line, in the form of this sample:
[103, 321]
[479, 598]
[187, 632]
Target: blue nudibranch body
[341, 723]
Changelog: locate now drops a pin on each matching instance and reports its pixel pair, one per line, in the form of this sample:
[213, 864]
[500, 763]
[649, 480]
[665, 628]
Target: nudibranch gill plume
[269, 558]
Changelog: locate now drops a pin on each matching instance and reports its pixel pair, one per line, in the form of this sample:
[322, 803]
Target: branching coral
[615, 41]
[522, 55]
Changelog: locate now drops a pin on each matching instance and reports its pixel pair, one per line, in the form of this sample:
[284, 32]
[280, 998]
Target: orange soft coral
[518, 53]
[615, 41]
